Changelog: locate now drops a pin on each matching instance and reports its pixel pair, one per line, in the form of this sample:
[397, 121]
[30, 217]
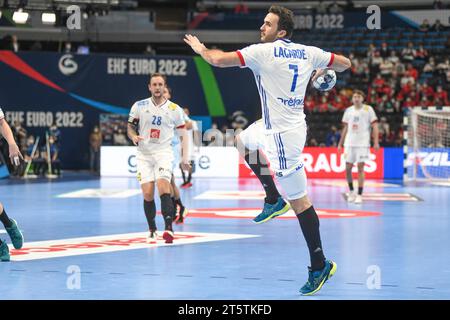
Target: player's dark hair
[154, 75]
[285, 19]
[360, 93]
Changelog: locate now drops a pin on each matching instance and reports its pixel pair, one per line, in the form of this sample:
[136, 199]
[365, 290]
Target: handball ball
[326, 81]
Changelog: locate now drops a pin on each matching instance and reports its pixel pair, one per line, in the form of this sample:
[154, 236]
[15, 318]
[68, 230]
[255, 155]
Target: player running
[10, 224]
[282, 70]
[155, 119]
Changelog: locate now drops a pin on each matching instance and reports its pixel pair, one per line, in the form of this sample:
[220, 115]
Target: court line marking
[112, 243]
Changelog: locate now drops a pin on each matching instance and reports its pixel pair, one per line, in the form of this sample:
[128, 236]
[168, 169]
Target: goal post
[426, 143]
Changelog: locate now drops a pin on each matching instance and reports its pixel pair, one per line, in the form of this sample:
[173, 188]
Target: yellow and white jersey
[156, 124]
[282, 71]
[359, 123]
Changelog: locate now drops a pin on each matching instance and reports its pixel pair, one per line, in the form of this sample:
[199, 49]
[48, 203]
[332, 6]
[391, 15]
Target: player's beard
[268, 37]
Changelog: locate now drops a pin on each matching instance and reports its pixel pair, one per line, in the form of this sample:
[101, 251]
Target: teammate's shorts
[253, 137]
[356, 154]
[155, 166]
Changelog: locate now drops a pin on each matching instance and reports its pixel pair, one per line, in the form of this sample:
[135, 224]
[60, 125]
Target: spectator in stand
[335, 8]
[425, 26]
[411, 72]
[443, 66]
[408, 103]
[438, 26]
[67, 47]
[427, 91]
[371, 51]
[383, 131]
[429, 67]
[386, 105]
[386, 68]
[120, 138]
[338, 104]
[313, 142]
[439, 103]
[393, 57]
[378, 83]
[241, 8]
[442, 95]
[424, 102]
[408, 53]
[321, 7]
[333, 137]
[421, 55]
[384, 51]
[375, 62]
[437, 4]
[323, 106]
[309, 103]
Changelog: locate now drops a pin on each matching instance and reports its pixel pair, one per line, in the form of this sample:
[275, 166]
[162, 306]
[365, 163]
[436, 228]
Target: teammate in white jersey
[175, 192]
[10, 224]
[151, 126]
[357, 121]
[193, 149]
[282, 70]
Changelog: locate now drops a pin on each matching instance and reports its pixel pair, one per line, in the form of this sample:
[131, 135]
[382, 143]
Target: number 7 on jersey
[294, 81]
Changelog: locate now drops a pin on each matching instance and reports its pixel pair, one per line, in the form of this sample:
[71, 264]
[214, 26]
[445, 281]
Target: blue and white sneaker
[316, 279]
[271, 211]
[4, 252]
[15, 234]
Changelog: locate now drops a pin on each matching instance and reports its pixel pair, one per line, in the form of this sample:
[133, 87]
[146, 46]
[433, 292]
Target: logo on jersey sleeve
[173, 106]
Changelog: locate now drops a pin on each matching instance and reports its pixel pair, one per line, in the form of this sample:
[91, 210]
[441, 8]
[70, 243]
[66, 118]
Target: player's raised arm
[215, 57]
[340, 63]
[14, 152]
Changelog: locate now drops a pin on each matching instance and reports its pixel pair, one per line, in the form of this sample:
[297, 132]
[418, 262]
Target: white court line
[101, 193]
[111, 243]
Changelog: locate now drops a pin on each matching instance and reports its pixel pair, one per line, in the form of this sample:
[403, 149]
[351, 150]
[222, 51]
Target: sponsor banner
[111, 243]
[209, 162]
[327, 163]
[250, 213]
[344, 184]
[226, 162]
[403, 197]
[432, 163]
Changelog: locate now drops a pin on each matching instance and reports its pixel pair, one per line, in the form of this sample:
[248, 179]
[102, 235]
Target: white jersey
[358, 122]
[2, 115]
[156, 124]
[282, 71]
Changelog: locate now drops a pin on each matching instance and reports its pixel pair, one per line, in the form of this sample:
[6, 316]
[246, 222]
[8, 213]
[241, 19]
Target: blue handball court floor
[85, 239]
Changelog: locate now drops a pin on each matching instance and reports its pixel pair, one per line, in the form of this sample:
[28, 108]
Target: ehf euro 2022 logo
[67, 65]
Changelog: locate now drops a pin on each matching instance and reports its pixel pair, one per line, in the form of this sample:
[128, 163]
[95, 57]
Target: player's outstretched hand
[136, 139]
[185, 166]
[317, 74]
[194, 43]
[15, 155]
